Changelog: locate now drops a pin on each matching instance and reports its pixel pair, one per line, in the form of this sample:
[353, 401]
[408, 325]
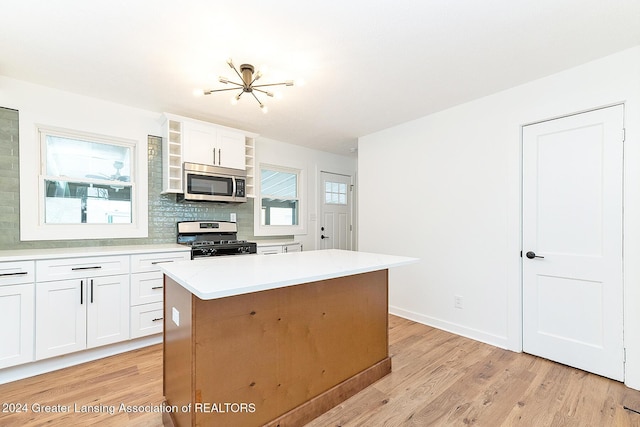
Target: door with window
[572, 241]
[336, 227]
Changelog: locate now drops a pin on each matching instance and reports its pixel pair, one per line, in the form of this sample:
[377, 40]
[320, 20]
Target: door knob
[532, 255]
[324, 237]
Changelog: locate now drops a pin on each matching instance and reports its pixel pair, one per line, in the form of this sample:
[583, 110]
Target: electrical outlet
[232, 217]
[457, 301]
[175, 316]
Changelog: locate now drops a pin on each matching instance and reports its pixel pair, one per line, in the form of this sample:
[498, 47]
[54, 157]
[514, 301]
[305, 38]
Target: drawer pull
[161, 262]
[20, 273]
[157, 319]
[95, 267]
[157, 287]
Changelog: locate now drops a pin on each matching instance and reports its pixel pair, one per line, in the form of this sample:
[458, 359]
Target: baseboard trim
[19, 372]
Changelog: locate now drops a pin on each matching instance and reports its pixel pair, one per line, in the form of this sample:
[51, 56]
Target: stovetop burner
[213, 238]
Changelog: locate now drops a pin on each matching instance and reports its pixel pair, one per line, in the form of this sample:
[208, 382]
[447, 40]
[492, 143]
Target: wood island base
[278, 357]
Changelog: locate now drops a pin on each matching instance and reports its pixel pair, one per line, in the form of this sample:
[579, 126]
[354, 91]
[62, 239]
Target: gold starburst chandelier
[248, 76]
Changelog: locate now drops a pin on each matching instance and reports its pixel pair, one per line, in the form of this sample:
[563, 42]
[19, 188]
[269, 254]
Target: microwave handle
[234, 187]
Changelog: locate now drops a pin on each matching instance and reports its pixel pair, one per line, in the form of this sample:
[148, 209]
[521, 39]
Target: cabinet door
[60, 318]
[107, 310]
[292, 247]
[200, 144]
[231, 150]
[16, 318]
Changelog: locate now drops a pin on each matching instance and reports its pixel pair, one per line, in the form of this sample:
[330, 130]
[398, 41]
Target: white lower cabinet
[81, 312]
[51, 307]
[292, 247]
[146, 319]
[147, 283]
[16, 316]
[16, 312]
[273, 248]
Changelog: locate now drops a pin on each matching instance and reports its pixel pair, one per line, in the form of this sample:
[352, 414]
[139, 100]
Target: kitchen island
[273, 340]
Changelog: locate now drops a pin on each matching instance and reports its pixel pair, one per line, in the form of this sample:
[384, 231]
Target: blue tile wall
[164, 211]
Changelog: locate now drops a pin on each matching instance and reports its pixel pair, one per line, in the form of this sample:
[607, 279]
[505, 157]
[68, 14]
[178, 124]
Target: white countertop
[219, 277]
[36, 254]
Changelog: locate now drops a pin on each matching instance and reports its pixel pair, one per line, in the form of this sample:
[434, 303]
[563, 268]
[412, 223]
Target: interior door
[336, 217]
[572, 241]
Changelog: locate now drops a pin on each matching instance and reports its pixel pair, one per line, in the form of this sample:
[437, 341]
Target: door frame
[520, 293]
[353, 213]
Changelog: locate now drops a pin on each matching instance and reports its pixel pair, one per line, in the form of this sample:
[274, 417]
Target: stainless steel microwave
[207, 183]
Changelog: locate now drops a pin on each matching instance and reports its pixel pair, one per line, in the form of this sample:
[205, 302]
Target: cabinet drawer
[146, 287]
[269, 250]
[146, 319]
[151, 262]
[77, 268]
[17, 272]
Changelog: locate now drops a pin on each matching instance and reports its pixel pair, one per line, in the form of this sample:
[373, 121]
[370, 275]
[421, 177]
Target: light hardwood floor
[438, 379]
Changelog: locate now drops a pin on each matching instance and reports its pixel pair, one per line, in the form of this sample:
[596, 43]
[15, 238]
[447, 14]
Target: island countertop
[219, 277]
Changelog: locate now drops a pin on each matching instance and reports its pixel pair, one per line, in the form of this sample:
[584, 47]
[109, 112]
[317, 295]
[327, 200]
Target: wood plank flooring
[438, 379]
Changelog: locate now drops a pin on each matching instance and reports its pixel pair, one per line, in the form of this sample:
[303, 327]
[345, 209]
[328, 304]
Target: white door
[572, 241]
[336, 218]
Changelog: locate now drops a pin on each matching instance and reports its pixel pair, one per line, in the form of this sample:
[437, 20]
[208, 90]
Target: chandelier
[248, 76]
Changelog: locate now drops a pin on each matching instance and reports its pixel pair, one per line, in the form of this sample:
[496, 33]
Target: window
[335, 193]
[87, 187]
[279, 201]
[85, 182]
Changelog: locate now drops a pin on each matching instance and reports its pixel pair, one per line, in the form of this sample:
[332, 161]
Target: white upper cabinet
[195, 141]
[231, 150]
[210, 145]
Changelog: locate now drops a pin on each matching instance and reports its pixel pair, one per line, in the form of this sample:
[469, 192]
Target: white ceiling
[367, 64]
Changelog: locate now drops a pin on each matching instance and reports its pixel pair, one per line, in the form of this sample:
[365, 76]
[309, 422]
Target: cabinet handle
[20, 273]
[219, 156]
[91, 291]
[161, 262]
[157, 287]
[95, 267]
[157, 319]
[81, 292]
[214, 156]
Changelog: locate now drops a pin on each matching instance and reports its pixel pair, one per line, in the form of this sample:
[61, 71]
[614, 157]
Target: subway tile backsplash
[164, 211]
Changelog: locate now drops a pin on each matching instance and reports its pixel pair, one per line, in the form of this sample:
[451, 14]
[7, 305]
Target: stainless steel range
[213, 238]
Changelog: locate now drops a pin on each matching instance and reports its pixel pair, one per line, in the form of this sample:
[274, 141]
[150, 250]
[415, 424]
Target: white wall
[43, 105]
[312, 162]
[461, 212]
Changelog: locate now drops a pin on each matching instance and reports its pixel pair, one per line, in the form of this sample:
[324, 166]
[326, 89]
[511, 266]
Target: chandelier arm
[234, 83]
[270, 84]
[254, 95]
[263, 91]
[239, 75]
[207, 92]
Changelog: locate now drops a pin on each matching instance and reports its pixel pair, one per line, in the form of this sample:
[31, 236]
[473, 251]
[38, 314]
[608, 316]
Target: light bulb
[264, 108]
[198, 92]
